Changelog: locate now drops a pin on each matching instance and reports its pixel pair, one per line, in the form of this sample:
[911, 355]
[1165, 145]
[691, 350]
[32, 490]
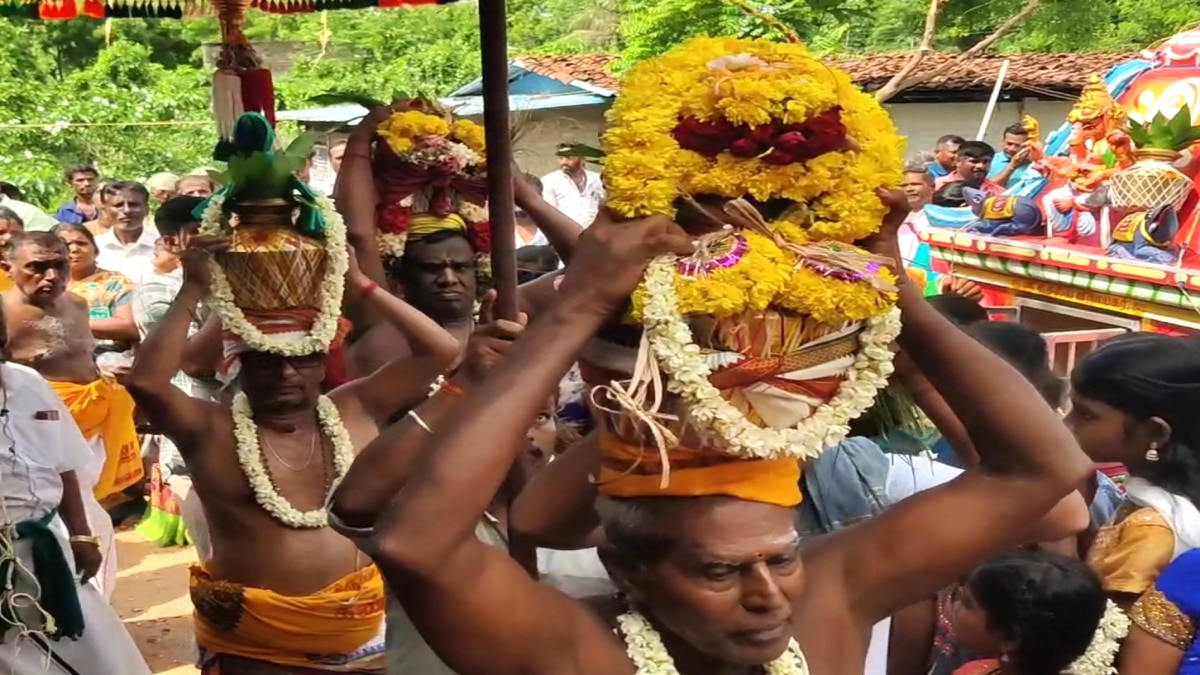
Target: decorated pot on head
[759, 349]
[278, 288]
[430, 172]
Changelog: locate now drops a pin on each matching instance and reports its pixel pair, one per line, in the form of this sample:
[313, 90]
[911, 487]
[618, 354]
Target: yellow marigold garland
[401, 128]
[707, 79]
[469, 134]
[752, 284]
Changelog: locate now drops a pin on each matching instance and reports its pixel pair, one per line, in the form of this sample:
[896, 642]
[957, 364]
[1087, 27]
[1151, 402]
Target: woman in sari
[108, 294]
[1134, 401]
[1162, 638]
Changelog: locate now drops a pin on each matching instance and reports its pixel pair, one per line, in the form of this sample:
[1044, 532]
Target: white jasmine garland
[391, 245]
[1101, 655]
[688, 371]
[329, 296]
[250, 456]
[645, 648]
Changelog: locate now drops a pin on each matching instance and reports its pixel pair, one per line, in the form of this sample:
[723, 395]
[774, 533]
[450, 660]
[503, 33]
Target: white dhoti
[43, 444]
[104, 647]
[99, 522]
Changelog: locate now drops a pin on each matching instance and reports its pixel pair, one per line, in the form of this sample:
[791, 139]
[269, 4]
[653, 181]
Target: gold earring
[1152, 454]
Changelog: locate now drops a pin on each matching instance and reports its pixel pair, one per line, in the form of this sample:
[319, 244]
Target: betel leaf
[297, 151]
[1139, 134]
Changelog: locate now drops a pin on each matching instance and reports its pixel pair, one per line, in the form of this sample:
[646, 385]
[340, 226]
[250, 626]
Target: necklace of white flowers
[250, 456]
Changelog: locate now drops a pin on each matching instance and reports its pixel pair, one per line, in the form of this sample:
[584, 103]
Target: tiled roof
[1059, 72]
[593, 69]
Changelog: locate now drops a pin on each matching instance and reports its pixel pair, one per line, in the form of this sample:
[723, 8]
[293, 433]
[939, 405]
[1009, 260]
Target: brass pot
[264, 213]
[1156, 155]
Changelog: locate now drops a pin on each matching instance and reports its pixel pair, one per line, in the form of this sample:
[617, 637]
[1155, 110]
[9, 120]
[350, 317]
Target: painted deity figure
[1098, 147]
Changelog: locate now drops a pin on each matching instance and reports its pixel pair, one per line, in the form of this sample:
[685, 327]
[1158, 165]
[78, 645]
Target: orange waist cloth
[103, 408]
[337, 628]
[633, 471]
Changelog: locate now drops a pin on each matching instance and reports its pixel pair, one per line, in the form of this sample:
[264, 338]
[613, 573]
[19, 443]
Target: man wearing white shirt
[127, 248]
[573, 189]
[34, 218]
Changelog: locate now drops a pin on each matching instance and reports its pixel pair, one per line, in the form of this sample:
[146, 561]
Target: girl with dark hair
[1032, 613]
[1134, 401]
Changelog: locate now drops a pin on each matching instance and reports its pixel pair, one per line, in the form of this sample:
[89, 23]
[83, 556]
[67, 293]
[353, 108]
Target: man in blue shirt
[85, 207]
[945, 156]
[1010, 165]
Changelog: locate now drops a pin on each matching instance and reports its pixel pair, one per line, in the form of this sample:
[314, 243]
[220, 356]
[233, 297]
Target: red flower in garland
[480, 236]
[788, 148]
[825, 132]
[706, 138]
[820, 134]
[394, 218]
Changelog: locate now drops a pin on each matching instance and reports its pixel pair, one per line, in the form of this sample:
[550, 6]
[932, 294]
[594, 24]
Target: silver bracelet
[420, 422]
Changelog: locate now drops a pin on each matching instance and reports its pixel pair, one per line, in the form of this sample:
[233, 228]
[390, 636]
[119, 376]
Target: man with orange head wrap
[755, 333]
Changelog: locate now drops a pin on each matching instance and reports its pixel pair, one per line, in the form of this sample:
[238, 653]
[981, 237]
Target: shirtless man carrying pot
[282, 593]
[716, 585]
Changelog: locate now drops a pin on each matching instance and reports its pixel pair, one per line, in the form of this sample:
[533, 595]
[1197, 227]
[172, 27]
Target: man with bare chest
[712, 584]
[282, 592]
[49, 332]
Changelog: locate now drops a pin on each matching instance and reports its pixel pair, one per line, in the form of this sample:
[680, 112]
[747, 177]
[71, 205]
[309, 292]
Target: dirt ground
[152, 598]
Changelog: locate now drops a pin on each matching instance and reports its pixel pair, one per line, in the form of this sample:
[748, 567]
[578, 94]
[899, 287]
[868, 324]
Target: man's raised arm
[1028, 462]
[402, 382]
[181, 417]
[457, 590]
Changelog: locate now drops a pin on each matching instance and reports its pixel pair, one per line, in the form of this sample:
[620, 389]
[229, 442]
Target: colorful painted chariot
[1099, 235]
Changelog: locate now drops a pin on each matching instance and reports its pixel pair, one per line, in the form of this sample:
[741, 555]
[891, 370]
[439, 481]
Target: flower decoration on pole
[431, 174]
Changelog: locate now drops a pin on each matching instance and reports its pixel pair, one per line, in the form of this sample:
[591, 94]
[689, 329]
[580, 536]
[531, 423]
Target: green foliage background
[136, 101]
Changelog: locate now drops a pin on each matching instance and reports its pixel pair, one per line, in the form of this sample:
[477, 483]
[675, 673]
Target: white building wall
[923, 123]
[540, 131]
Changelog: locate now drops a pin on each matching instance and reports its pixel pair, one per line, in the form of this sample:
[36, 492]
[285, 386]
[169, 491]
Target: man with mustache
[49, 332]
[128, 247]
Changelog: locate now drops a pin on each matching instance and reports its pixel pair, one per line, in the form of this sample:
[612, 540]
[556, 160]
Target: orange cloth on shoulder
[629, 470]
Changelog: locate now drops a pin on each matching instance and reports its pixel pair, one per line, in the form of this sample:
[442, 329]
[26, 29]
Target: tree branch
[899, 83]
[893, 86]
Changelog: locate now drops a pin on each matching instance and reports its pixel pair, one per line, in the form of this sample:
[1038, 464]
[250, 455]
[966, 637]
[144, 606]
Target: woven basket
[1151, 182]
[273, 267]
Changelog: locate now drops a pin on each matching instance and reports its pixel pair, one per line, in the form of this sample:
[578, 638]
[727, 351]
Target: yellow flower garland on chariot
[797, 155]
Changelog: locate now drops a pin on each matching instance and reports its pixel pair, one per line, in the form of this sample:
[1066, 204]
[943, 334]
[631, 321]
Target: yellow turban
[425, 224]
[633, 471]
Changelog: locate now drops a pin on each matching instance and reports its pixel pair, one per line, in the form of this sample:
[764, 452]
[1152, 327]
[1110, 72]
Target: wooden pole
[493, 33]
[992, 102]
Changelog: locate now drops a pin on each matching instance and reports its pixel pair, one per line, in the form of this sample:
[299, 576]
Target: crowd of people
[436, 490]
